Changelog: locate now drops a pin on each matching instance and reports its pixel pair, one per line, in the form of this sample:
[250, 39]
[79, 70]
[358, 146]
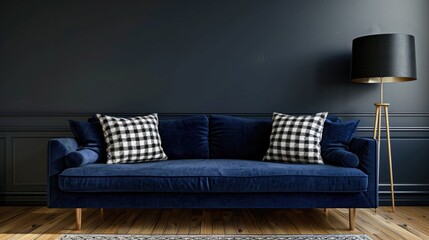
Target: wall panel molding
[23, 198]
[3, 157]
[34, 166]
[25, 165]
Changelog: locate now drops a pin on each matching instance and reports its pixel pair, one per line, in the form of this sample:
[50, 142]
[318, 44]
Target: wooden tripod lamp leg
[377, 116]
[389, 154]
[377, 136]
[78, 218]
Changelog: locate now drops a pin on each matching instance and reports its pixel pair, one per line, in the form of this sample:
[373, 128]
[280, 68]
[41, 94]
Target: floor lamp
[383, 58]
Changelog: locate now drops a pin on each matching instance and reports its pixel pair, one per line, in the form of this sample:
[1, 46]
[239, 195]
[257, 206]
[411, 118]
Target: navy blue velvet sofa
[214, 162]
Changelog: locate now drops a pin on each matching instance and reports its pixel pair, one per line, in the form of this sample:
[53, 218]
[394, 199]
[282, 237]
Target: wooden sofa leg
[78, 218]
[101, 211]
[326, 211]
[352, 216]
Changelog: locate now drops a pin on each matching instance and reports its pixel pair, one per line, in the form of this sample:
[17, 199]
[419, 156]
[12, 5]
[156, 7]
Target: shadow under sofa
[225, 171]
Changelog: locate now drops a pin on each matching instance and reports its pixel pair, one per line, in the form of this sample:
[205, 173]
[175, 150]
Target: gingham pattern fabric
[132, 140]
[296, 139]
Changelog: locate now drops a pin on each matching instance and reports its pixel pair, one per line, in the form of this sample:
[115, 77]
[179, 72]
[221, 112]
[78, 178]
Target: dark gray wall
[70, 59]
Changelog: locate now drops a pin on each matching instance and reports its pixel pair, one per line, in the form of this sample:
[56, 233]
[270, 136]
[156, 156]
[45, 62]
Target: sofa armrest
[366, 150]
[58, 148]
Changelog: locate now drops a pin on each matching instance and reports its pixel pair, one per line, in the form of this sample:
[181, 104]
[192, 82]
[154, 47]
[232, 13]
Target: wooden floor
[43, 223]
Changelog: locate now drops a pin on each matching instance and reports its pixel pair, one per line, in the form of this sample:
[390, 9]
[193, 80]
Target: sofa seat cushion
[212, 175]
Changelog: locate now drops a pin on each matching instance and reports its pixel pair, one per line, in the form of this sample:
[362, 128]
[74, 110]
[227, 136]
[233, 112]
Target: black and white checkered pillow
[132, 140]
[296, 139]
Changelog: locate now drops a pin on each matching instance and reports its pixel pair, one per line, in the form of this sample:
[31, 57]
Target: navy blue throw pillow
[82, 157]
[340, 157]
[335, 141]
[239, 138]
[185, 138]
[89, 136]
[332, 118]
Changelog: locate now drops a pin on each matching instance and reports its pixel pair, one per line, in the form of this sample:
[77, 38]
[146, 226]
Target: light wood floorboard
[44, 223]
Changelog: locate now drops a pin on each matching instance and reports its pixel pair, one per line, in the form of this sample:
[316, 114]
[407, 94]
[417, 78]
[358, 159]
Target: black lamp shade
[390, 56]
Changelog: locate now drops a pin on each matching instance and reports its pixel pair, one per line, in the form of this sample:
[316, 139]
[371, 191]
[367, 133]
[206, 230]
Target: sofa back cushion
[88, 134]
[185, 138]
[238, 138]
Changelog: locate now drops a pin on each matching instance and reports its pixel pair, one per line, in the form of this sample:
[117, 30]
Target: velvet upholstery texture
[332, 117]
[338, 133]
[58, 149]
[87, 134]
[208, 200]
[185, 138]
[92, 147]
[82, 157]
[340, 157]
[365, 149]
[214, 175]
[335, 142]
[238, 138]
